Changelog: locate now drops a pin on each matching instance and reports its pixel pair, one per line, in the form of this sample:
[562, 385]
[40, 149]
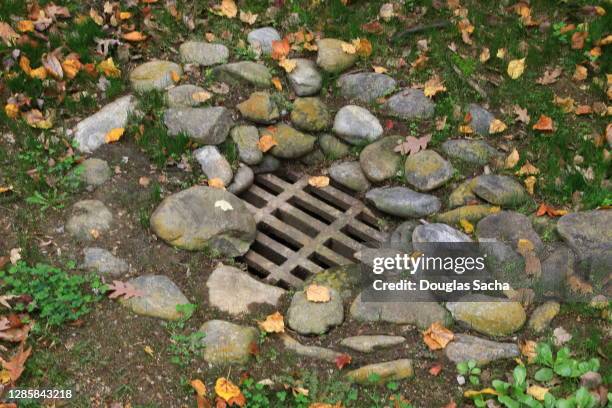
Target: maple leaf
[274, 323]
[550, 76]
[412, 145]
[317, 293]
[521, 115]
[342, 360]
[545, 209]
[125, 289]
[16, 365]
[437, 336]
[516, 68]
[433, 86]
[108, 68]
[544, 124]
[318, 181]
[280, 49]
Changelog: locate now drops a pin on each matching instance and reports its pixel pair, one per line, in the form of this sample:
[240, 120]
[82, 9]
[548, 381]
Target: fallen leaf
[579, 285]
[435, 369]
[134, 36]
[467, 226]
[544, 124]
[248, 17]
[512, 159]
[386, 11]
[318, 293]
[528, 169]
[545, 209]
[8, 35]
[530, 183]
[25, 26]
[561, 336]
[35, 119]
[437, 336]
[578, 39]
[497, 126]
[39, 73]
[412, 145]
[71, 67]
[528, 349]
[223, 205]
[16, 365]
[227, 8]
[53, 66]
[226, 389]
[484, 391]
[433, 86]
[501, 53]
[16, 334]
[342, 360]
[277, 83]
[379, 69]
[11, 110]
[318, 181]
[348, 48]
[96, 17]
[451, 404]
[550, 76]
[114, 135]
[485, 55]
[583, 110]
[199, 387]
[521, 114]
[274, 323]
[125, 289]
[125, 15]
[266, 142]
[537, 392]
[373, 27]
[466, 129]
[466, 29]
[5, 189]
[148, 350]
[108, 68]
[441, 123]
[566, 104]
[280, 49]
[516, 68]
[216, 182]
[201, 96]
[580, 73]
[363, 47]
[287, 64]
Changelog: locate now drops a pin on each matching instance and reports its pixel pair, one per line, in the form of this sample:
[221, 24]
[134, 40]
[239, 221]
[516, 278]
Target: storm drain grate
[303, 230]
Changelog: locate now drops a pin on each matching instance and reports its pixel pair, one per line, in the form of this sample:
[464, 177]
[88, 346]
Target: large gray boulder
[204, 125]
[203, 53]
[379, 161]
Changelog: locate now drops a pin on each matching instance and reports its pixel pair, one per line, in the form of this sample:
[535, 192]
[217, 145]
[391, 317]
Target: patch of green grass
[80, 38]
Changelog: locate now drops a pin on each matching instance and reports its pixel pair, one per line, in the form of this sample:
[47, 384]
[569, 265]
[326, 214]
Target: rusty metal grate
[302, 230]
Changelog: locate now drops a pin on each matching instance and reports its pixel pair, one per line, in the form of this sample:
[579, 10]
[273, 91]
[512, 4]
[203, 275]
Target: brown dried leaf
[412, 145]
[437, 336]
[266, 142]
[274, 323]
[550, 76]
[544, 124]
[318, 293]
[16, 365]
[125, 289]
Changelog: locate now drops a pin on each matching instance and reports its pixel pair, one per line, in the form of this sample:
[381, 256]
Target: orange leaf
[16, 365]
[25, 26]
[134, 36]
[114, 135]
[544, 124]
[545, 209]
[216, 183]
[266, 142]
[280, 49]
[437, 336]
[342, 360]
[583, 110]
[319, 181]
[226, 389]
[578, 39]
[274, 323]
[318, 294]
[277, 83]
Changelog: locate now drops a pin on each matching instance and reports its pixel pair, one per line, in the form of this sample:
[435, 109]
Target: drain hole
[253, 199]
[268, 253]
[256, 270]
[283, 285]
[340, 248]
[327, 198]
[301, 273]
[368, 220]
[267, 186]
[295, 222]
[322, 261]
[355, 234]
[311, 210]
[288, 177]
[274, 235]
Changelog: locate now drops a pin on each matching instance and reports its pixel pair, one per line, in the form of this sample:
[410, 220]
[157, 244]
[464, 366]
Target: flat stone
[291, 143]
[476, 152]
[389, 371]
[508, 227]
[356, 125]
[259, 108]
[269, 164]
[403, 202]
[427, 170]
[203, 53]
[365, 87]
[159, 297]
[94, 172]
[182, 96]
[420, 314]
[88, 219]
[103, 262]
[305, 79]
[465, 348]
[332, 58]
[500, 190]
[262, 38]
[204, 125]
[333, 147]
[310, 114]
[471, 213]
[350, 175]
[194, 219]
[488, 315]
[243, 180]
[481, 119]
[379, 161]
[246, 72]
[227, 343]
[246, 138]
[233, 291]
[368, 344]
[90, 133]
[214, 164]
[314, 158]
[154, 75]
[436, 232]
[307, 317]
[543, 315]
[409, 104]
[463, 195]
[318, 353]
[556, 269]
[401, 237]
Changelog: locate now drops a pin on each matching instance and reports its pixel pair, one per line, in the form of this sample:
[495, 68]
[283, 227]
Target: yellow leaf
[5, 189]
[537, 392]
[274, 323]
[566, 104]
[5, 377]
[528, 349]
[96, 17]
[318, 294]
[433, 86]
[39, 73]
[484, 55]
[277, 83]
[474, 393]
[35, 119]
[216, 183]
[501, 53]
[379, 70]
[175, 76]
[248, 17]
[524, 246]
[516, 68]
[287, 64]
[134, 36]
[125, 15]
[527, 169]
[108, 68]
[348, 48]
[512, 159]
[114, 135]
[199, 387]
[467, 226]
[363, 47]
[466, 129]
[227, 9]
[319, 181]
[580, 74]
[530, 184]
[497, 126]
[11, 110]
[266, 142]
[71, 67]
[226, 389]
[24, 64]
[25, 26]
[201, 96]
[148, 350]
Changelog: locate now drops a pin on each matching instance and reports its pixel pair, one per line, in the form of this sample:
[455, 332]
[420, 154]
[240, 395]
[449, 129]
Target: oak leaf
[521, 114]
[318, 293]
[550, 76]
[412, 145]
[437, 336]
[123, 289]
